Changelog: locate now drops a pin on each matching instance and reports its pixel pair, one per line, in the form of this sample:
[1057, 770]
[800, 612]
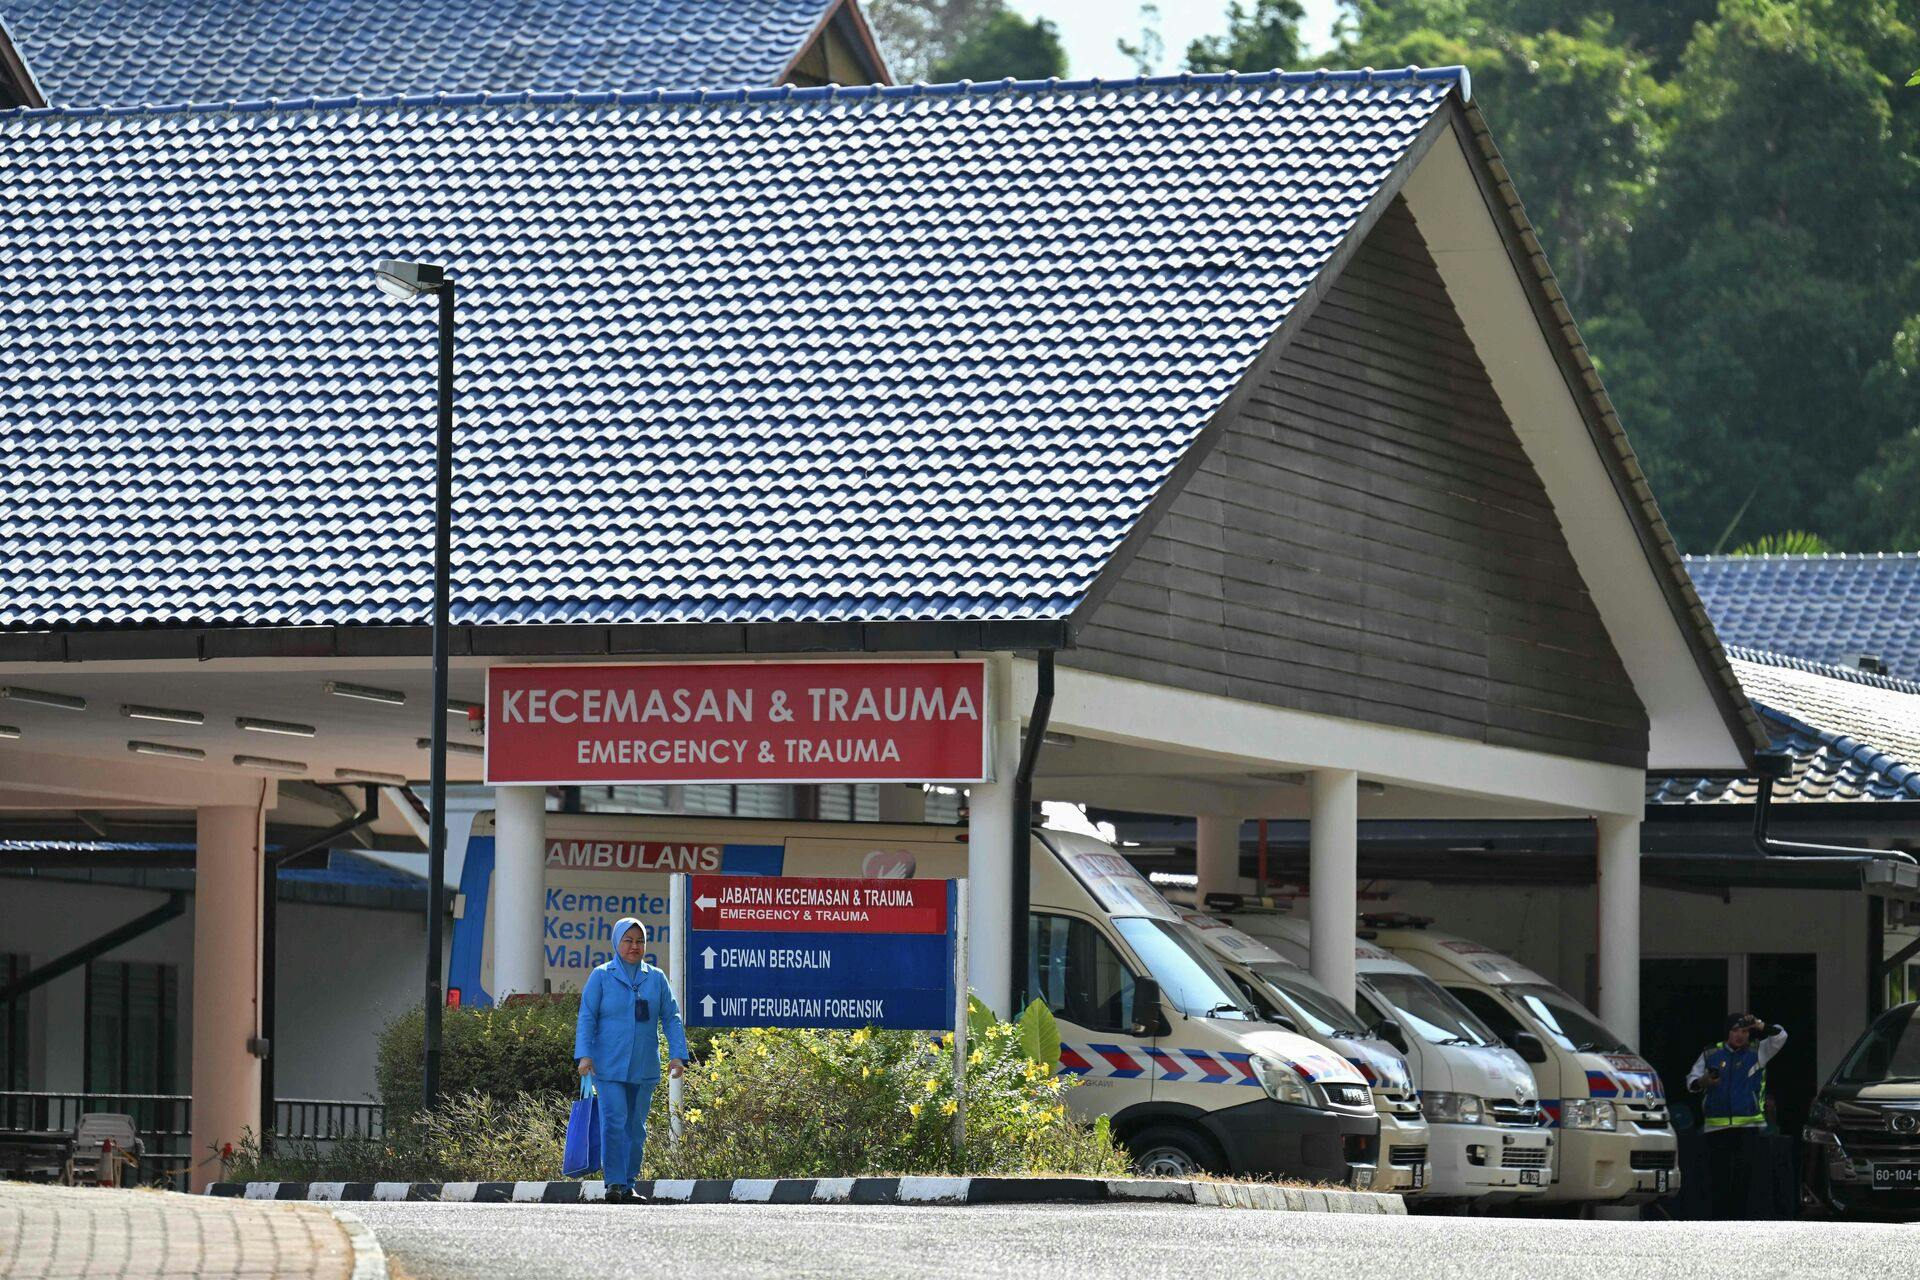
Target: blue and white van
[1286, 993]
[1488, 1140]
[1616, 1141]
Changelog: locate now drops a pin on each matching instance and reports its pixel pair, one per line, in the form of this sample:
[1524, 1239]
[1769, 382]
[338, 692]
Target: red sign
[791, 904]
[920, 721]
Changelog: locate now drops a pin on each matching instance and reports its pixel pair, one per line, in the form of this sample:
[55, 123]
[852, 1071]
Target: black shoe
[619, 1195]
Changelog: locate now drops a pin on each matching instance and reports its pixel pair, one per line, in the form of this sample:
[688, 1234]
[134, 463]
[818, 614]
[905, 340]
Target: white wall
[344, 972]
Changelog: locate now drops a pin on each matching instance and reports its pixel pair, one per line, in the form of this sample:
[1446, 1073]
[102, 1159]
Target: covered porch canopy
[1244, 405]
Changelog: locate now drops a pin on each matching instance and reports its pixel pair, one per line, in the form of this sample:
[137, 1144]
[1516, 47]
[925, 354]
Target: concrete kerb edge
[861, 1191]
[369, 1259]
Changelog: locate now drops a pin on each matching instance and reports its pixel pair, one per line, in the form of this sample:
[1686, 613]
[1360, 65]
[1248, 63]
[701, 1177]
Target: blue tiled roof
[1851, 735]
[1822, 608]
[154, 52]
[786, 356]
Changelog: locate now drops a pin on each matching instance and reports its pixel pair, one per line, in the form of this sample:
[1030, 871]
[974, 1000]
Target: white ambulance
[1288, 995]
[1487, 1138]
[1192, 1077]
[1616, 1141]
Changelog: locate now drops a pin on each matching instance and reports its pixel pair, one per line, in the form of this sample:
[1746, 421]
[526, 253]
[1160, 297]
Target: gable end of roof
[1609, 437]
[1249, 382]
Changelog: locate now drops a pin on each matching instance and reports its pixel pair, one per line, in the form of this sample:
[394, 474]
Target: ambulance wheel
[1167, 1152]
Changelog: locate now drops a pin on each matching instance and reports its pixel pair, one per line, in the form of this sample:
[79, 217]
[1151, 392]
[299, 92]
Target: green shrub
[758, 1104]
[500, 1053]
[815, 1104]
[471, 1138]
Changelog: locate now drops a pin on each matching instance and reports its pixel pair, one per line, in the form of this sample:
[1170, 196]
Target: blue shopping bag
[581, 1155]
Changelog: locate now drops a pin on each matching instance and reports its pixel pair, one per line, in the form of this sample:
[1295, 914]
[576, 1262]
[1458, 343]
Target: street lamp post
[409, 280]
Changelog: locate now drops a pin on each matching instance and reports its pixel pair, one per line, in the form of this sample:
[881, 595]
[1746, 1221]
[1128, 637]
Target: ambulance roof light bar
[1394, 920]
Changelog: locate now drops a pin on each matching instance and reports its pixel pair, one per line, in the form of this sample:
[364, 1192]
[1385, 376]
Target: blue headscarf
[620, 928]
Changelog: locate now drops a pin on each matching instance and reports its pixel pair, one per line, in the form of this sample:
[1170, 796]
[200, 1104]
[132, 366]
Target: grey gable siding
[1367, 539]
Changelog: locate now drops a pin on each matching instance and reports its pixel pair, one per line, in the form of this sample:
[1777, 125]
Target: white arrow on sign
[707, 955]
[706, 1006]
[706, 904]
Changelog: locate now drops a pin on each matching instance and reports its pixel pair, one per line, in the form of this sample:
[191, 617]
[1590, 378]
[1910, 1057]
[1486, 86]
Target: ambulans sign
[700, 722]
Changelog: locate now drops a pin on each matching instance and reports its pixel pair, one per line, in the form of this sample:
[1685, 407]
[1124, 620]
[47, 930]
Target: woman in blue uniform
[623, 1009]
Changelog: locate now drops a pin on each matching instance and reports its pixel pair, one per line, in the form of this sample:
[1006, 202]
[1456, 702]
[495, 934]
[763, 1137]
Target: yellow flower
[946, 1041]
[976, 1057]
[861, 1036]
[693, 1115]
[913, 1109]
[865, 1072]
[933, 1085]
[949, 1107]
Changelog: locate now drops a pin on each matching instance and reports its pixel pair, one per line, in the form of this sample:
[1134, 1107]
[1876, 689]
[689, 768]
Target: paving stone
[49, 1232]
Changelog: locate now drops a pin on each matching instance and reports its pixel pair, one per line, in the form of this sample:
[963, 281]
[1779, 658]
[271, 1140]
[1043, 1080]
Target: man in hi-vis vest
[1732, 1079]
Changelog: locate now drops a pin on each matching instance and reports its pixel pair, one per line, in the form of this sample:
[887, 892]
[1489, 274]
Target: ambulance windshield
[1565, 1019]
[1434, 1016]
[1322, 1014]
[1189, 978]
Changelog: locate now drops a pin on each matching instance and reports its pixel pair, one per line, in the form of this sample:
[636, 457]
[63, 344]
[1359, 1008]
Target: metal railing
[165, 1120]
[325, 1119]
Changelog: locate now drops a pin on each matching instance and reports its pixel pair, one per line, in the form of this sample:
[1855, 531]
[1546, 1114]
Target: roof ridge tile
[776, 94]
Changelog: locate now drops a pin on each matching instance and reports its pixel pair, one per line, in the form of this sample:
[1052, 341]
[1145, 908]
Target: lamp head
[401, 279]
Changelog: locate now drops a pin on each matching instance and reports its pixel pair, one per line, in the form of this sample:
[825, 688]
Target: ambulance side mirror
[1148, 1020]
[1389, 1030]
[1528, 1046]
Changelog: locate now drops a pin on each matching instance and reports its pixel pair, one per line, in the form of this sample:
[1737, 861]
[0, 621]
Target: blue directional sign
[811, 953]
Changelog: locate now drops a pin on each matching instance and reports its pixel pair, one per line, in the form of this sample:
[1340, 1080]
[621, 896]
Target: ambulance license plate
[1662, 1180]
[1531, 1178]
[1419, 1176]
[1896, 1177]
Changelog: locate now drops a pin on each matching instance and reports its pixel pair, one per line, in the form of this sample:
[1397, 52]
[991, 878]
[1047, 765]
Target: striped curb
[860, 1191]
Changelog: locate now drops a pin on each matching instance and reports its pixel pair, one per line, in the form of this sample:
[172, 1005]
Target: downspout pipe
[1037, 718]
[1774, 765]
[270, 946]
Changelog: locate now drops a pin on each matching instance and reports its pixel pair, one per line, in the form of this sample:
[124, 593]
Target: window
[850, 802]
[1889, 1051]
[133, 1026]
[1488, 1010]
[1429, 1012]
[1314, 1006]
[943, 806]
[1372, 1012]
[1568, 1021]
[1078, 973]
[13, 1027]
[1189, 977]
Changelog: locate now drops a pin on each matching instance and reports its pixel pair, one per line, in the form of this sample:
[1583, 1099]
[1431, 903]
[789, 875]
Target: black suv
[1863, 1132]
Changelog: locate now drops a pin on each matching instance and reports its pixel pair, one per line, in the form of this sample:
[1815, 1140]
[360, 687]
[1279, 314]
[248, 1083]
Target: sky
[1088, 29]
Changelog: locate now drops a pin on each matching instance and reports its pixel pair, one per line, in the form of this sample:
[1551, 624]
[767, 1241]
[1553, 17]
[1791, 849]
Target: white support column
[1216, 856]
[519, 890]
[225, 1075]
[1333, 853]
[1619, 930]
[990, 849]
[901, 803]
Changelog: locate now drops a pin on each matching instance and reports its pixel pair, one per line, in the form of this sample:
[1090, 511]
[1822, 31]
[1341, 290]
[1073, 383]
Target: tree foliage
[1006, 45]
[940, 40]
[1727, 191]
[1259, 38]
